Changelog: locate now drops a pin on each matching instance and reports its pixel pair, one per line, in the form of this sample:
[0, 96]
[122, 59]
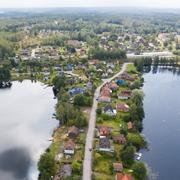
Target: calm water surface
[25, 126]
[162, 124]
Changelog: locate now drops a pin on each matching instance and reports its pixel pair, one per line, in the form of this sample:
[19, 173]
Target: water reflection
[161, 123]
[15, 162]
[25, 126]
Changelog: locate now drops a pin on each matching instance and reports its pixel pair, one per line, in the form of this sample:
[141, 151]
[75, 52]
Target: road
[165, 54]
[87, 168]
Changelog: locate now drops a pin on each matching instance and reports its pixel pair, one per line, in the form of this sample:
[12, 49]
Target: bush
[139, 171]
[46, 166]
[127, 156]
[136, 140]
[82, 100]
[76, 168]
[99, 111]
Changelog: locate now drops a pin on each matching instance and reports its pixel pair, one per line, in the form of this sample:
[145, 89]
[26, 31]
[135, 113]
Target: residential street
[90, 134]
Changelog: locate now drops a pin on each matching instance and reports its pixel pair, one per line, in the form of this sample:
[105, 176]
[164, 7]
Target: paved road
[90, 134]
[166, 54]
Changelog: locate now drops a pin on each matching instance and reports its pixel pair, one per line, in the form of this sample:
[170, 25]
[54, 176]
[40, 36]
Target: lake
[162, 123]
[26, 124]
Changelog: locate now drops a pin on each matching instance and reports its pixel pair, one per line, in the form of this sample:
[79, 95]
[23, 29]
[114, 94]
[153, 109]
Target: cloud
[90, 3]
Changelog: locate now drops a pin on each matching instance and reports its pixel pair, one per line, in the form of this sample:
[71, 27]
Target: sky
[89, 3]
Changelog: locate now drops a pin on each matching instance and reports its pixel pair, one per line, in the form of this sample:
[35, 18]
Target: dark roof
[104, 143]
[73, 130]
[107, 108]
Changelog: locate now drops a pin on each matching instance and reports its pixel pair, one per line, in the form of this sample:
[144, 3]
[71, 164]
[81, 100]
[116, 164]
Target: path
[87, 169]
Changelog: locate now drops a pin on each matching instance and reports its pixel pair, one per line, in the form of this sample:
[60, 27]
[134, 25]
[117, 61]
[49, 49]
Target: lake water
[26, 124]
[162, 123]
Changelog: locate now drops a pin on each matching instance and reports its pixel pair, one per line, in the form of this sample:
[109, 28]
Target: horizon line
[101, 7]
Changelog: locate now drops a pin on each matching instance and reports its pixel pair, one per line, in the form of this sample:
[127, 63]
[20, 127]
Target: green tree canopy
[139, 171]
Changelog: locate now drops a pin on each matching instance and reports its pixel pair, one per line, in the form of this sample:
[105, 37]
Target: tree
[46, 166]
[136, 84]
[99, 111]
[79, 100]
[137, 97]
[4, 74]
[136, 140]
[127, 156]
[80, 120]
[65, 112]
[59, 82]
[82, 100]
[139, 171]
[76, 167]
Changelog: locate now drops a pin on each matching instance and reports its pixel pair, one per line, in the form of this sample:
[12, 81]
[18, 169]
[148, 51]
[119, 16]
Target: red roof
[130, 125]
[69, 145]
[105, 91]
[104, 131]
[117, 167]
[120, 176]
[122, 107]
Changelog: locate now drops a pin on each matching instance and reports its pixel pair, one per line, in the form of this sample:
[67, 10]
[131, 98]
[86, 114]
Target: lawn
[131, 69]
[103, 162]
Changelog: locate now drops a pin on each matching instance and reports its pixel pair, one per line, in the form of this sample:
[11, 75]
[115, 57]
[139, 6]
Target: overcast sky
[90, 3]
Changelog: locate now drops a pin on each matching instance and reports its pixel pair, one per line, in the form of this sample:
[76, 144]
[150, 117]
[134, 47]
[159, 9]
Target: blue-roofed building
[76, 90]
[120, 82]
[69, 67]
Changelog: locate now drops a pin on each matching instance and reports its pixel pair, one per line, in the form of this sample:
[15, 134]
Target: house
[122, 107]
[126, 76]
[120, 176]
[120, 82]
[89, 85]
[109, 110]
[106, 91]
[110, 65]
[73, 132]
[74, 43]
[69, 67]
[92, 62]
[103, 131]
[113, 86]
[69, 147]
[104, 144]
[130, 125]
[104, 99]
[120, 139]
[124, 95]
[66, 170]
[117, 167]
[110, 71]
[76, 90]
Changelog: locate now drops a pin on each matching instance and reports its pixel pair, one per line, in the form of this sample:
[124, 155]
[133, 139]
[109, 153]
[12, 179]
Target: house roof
[108, 108]
[113, 85]
[69, 145]
[117, 166]
[120, 138]
[104, 98]
[106, 91]
[104, 143]
[120, 176]
[122, 106]
[104, 130]
[76, 90]
[130, 125]
[73, 130]
[126, 93]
